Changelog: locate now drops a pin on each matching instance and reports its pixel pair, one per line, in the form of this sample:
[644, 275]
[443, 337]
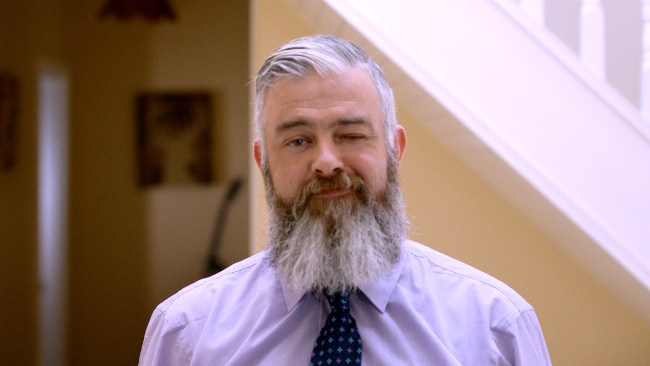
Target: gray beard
[335, 245]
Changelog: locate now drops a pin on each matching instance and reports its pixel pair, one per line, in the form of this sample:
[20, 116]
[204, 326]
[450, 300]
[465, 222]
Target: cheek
[287, 179]
[373, 170]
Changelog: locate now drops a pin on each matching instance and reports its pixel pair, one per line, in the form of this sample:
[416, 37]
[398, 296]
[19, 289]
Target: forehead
[351, 94]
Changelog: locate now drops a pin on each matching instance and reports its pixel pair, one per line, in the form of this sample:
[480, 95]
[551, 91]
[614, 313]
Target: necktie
[339, 341]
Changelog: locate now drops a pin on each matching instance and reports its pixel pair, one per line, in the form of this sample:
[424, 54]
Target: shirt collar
[378, 292]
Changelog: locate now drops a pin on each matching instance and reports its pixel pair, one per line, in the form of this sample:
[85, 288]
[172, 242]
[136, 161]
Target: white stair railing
[645, 66]
[592, 41]
[592, 36]
[535, 9]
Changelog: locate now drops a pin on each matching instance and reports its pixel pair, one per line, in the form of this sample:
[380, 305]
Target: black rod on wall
[213, 266]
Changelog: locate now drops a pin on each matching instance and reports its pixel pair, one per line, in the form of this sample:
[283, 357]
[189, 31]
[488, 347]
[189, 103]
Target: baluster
[645, 66]
[592, 36]
[535, 9]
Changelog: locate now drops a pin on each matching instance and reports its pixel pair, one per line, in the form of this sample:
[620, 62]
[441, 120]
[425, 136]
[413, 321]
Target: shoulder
[215, 305]
[242, 279]
[476, 316]
[438, 274]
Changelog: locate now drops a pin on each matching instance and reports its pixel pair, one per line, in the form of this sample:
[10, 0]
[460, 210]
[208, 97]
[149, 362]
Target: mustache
[318, 185]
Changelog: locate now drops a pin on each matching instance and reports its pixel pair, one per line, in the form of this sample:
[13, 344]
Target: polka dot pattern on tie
[339, 342]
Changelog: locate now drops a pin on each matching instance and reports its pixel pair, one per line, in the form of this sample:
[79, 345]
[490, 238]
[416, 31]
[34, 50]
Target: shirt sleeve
[522, 344]
[163, 343]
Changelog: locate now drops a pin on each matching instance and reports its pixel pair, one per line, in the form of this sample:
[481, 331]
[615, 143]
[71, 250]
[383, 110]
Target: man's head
[329, 149]
[325, 55]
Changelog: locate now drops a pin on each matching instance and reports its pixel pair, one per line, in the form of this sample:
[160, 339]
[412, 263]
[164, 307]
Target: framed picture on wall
[174, 138]
[8, 120]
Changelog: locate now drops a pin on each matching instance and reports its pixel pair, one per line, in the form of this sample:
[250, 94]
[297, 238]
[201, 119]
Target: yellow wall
[129, 247]
[132, 247]
[107, 211]
[453, 211]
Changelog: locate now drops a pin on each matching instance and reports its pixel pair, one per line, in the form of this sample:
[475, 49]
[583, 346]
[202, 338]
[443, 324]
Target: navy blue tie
[339, 342]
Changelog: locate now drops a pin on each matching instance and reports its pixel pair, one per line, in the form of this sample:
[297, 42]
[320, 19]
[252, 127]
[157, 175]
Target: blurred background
[87, 251]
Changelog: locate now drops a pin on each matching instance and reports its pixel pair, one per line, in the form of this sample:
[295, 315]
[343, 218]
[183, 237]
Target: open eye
[297, 142]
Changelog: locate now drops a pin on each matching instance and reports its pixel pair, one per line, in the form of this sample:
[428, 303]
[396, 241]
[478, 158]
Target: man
[339, 283]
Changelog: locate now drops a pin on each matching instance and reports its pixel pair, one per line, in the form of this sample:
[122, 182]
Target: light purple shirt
[431, 310]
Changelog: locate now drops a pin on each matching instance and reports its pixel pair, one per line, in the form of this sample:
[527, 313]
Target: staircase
[533, 118]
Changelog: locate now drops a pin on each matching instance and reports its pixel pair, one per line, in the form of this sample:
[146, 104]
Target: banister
[592, 36]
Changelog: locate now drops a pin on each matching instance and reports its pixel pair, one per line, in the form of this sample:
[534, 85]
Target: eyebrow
[289, 125]
[355, 121]
[343, 122]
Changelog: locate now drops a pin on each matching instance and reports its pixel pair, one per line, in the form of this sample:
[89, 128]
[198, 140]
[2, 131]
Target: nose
[327, 161]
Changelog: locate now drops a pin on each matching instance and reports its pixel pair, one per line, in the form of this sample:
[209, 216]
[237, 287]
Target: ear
[257, 153]
[399, 143]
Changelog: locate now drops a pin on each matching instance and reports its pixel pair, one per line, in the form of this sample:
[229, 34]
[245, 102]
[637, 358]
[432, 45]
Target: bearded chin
[336, 244]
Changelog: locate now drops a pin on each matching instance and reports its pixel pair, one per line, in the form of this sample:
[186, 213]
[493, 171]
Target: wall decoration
[174, 138]
[8, 120]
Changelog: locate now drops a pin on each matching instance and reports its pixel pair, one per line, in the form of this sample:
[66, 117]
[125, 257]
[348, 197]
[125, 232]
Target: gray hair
[325, 55]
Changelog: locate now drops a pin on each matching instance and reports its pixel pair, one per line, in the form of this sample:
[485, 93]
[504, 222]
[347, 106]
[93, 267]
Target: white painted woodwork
[592, 36]
[525, 113]
[645, 66]
[534, 9]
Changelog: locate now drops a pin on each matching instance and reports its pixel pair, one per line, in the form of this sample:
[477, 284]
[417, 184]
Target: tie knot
[339, 302]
